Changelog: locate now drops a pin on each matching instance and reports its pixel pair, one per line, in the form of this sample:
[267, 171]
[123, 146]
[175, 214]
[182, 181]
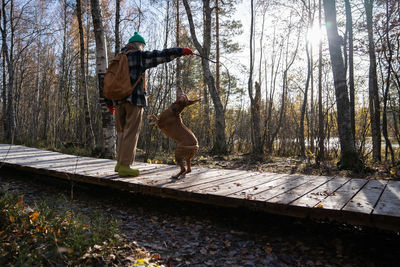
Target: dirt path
[199, 235]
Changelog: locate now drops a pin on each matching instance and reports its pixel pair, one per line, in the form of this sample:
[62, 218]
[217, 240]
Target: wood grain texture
[363, 202]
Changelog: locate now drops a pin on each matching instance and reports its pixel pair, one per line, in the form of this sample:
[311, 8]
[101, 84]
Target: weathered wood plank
[300, 191]
[238, 186]
[213, 186]
[312, 198]
[250, 192]
[344, 199]
[219, 175]
[37, 158]
[366, 199]
[291, 182]
[338, 199]
[389, 202]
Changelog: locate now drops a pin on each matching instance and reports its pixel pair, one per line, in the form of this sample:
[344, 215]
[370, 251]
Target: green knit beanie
[137, 38]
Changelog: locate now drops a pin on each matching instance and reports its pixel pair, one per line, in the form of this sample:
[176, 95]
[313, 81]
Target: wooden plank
[107, 170]
[250, 192]
[312, 198]
[154, 178]
[291, 181]
[92, 166]
[366, 199]
[195, 177]
[340, 197]
[213, 186]
[300, 191]
[164, 178]
[36, 158]
[343, 199]
[19, 153]
[237, 186]
[68, 163]
[218, 175]
[8, 148]
[389, 202]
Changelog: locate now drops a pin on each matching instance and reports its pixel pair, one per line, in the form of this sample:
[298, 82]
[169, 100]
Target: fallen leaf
[320, 206]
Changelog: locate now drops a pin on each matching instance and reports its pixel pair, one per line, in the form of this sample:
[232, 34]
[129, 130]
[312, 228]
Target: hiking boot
[116, 169]
[125, 170]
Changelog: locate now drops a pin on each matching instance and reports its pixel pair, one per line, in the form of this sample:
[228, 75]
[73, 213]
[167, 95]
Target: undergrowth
[53, 234]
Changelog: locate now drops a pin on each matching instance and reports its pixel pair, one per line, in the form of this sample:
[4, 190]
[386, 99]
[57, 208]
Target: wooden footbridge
[374, 203]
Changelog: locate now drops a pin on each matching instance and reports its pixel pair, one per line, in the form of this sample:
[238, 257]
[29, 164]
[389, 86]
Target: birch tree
[109, 137]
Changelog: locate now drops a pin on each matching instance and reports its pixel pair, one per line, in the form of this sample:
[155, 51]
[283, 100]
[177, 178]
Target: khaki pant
[128, 121]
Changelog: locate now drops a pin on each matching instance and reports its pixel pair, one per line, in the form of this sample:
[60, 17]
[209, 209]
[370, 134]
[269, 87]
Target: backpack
[117, 81]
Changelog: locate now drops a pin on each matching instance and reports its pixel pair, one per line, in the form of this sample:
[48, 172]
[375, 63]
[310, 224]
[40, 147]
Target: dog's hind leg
[189, 169]
[179, 161]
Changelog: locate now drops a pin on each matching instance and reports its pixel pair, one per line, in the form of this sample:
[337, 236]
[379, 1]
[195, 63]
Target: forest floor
[173, 233]
[289, 165]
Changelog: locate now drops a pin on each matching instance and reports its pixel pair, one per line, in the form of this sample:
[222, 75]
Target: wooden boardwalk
[373, 203]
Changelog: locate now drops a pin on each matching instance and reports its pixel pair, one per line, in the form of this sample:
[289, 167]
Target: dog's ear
[179, 92]
[191, 102]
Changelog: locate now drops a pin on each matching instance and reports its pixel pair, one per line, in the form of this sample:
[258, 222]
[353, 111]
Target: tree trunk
[8, 53]
[204, 50]
[89, 133]
[304, 106]
[177, 39]
[349, 30]
[217, 48]
[255, 97]
[387, 88]
[117, 21]
[321, 136]
[349, 157]
[109, 136]
[36, 98]
[4, 97]
[374, 105]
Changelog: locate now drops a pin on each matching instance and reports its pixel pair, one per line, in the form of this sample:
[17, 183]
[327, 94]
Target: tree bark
[219, 146]
[304, 105]
[217, 48]
[8, 53]
[255, 97]
[349, 157]
[374, 104]
[109, 136]
[321, 135]
[349, 30]
[117, 21]
[89, 133]
[387, 88]
[177, 39]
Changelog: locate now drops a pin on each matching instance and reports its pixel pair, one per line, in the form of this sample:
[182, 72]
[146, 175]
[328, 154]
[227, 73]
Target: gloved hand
[111, 109]
[187, 51]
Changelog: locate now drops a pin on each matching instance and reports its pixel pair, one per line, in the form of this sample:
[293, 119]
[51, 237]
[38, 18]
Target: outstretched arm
[156, 57]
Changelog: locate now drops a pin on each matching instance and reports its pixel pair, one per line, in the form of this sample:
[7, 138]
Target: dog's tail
[154, 118]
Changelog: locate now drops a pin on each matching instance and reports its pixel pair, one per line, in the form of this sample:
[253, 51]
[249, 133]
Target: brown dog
[170, 123]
